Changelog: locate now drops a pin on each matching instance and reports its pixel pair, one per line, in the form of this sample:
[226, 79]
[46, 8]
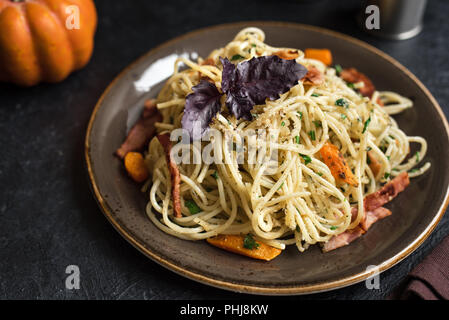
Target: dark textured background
[48, 216]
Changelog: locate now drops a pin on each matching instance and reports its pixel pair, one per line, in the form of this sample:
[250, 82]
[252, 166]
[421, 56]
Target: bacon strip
[313, 77]
[349, 236]
[387, 192]
[287, 54]
[164, 139]
[343, 239]
[352, 75]
[142, 132]
[373, 216]
[373, 212]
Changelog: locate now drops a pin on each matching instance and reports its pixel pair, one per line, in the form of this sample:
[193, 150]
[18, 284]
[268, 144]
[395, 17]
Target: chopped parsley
[365, 126]
[333, 228]
[297, 139]
[283, 123]
[281, 186]
[338, 69]
[343, 116]
[312, 135]
[320, 174]
[413, 170]
[215, 175]
[417, 156]
[237, 57]
[315, 95]
[192, 206]
[300, 115]
[306, 158]
[249, 242]
[317, 123]
[342, 103]
[387, 175]
[350, 85]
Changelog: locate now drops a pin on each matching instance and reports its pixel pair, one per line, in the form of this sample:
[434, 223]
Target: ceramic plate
[416, 211]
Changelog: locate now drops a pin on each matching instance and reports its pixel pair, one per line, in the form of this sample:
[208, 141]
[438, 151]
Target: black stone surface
[48, 216]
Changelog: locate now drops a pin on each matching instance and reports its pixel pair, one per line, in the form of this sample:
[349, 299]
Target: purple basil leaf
[201, 107]
[228, 74]
[252, 82]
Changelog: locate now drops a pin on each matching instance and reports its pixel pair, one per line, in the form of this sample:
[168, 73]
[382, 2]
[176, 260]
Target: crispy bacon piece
[373, 216]
[144, 129]
[369, 215]
[164, 139]
[373, 212]
[387, 192]
[352, 75]
[313, 77]
[377, 199]
[374, 164]
[343, 239]
[348, 236]
[354, 212]
[287, 54]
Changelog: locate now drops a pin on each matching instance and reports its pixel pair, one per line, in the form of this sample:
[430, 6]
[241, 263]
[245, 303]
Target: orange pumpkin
[45, 40]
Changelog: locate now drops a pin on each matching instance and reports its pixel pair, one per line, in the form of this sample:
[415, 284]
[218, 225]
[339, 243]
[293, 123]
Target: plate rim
[254, 289]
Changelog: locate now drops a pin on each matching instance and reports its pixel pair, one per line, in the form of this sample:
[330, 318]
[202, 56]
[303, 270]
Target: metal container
[399, 19]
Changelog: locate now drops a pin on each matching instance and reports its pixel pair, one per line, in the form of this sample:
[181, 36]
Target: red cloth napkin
[430, 279]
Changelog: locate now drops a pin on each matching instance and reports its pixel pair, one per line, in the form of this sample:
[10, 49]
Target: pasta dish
[255, 148]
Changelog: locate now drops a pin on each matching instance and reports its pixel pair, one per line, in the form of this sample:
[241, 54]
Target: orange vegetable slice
[136, 167]
[323, 55]
[340, 170]
[234, 243]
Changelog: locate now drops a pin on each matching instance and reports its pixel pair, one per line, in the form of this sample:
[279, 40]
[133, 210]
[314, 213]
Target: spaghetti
[300, 201]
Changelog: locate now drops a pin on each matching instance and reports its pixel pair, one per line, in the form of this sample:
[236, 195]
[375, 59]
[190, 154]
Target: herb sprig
[249, 242]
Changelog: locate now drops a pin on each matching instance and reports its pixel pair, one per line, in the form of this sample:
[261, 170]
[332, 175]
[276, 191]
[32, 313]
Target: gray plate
[415, 212]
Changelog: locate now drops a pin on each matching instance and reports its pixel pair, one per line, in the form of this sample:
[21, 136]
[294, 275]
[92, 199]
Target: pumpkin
[45, 40]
